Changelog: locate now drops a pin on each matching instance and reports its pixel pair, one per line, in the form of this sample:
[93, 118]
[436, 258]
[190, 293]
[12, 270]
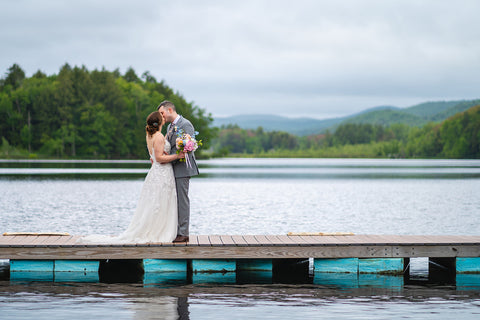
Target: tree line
[101, 114]
[456, 137]
[87, 114]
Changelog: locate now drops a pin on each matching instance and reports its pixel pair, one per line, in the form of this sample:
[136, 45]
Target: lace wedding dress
[155, 219]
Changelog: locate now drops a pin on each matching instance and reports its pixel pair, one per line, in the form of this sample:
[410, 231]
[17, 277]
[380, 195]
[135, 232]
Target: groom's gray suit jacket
[180, 169]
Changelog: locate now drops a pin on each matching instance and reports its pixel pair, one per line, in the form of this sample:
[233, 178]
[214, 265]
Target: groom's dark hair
[167, 104]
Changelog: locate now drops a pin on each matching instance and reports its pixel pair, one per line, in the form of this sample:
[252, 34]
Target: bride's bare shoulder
[157, 135]
[158, 138]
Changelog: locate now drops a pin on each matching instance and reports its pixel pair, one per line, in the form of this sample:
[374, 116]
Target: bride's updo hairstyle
[154, 122]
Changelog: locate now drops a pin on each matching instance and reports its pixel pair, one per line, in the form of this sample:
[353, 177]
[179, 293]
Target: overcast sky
[315, 58]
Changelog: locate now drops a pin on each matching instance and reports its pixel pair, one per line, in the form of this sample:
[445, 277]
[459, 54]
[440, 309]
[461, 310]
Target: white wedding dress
[156, 218]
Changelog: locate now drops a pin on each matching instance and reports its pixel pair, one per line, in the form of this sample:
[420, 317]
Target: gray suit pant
[183, 203]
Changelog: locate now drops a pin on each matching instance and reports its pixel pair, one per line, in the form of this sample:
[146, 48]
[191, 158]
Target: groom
[181, 171]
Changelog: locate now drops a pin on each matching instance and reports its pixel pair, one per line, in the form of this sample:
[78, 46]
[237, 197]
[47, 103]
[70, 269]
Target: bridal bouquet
[187, 143]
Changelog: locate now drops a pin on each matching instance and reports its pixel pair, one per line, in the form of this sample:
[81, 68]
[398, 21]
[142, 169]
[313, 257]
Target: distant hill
[417, 115]
[386, 117]
[428, 109]
[297, 126]
[459, 107]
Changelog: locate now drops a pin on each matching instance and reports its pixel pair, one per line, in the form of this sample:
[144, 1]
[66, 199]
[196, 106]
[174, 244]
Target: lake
[247, 196]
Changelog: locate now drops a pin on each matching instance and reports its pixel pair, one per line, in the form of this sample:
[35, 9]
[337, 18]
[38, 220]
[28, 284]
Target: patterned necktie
[170, 131]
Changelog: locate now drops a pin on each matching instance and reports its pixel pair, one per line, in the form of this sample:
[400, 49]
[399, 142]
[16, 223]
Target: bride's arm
[158, 146]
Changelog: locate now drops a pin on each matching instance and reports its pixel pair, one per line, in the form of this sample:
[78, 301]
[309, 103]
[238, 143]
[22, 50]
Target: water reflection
[160, 307]
[250, 168]
[41, 301]
[171, 295]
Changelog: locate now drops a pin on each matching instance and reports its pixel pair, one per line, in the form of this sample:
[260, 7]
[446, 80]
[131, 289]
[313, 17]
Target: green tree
[131, 76]
[15, 76]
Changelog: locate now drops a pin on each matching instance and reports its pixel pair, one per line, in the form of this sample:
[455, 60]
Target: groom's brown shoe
[181, 239]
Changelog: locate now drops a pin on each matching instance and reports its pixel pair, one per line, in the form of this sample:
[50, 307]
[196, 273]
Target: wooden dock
[345, 261]
[42, 247]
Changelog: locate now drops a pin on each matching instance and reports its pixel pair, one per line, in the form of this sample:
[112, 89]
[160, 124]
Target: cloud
[336, 57]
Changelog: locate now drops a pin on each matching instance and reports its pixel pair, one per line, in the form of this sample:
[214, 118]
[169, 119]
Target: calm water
[247, 196]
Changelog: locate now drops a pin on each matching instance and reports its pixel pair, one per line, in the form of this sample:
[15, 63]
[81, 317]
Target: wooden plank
[20, 240]
[263, 240]
[227, 240]
[469, 239]
[266, 239]
[408, 239]
[323, 240]
[51, 240]
[5, 241]
[309, 239]
[27, 240]
[250, 240]
[69, 241]
[204, 241]
[175, 244]
[160, 244]
[287, 240]
[344, 240]
[385, 239]
[82, 252]
[372, 239]
[443, 239]
[419, 239]
[320, 234]
[153, 244]
[193, 241]
[416, 239]
[397, 239]
[215, 240]
[299, 240]
[274, 240]
[358, 239]
[239, 241]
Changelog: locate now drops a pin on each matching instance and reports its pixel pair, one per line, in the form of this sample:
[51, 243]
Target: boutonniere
[175, 128]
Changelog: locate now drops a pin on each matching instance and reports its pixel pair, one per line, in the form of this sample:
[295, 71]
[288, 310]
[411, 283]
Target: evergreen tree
[15, 76]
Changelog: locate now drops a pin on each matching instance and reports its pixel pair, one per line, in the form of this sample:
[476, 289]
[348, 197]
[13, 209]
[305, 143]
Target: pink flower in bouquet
[190, 146]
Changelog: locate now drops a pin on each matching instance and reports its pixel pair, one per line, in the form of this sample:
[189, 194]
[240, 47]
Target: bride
[155, 219]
